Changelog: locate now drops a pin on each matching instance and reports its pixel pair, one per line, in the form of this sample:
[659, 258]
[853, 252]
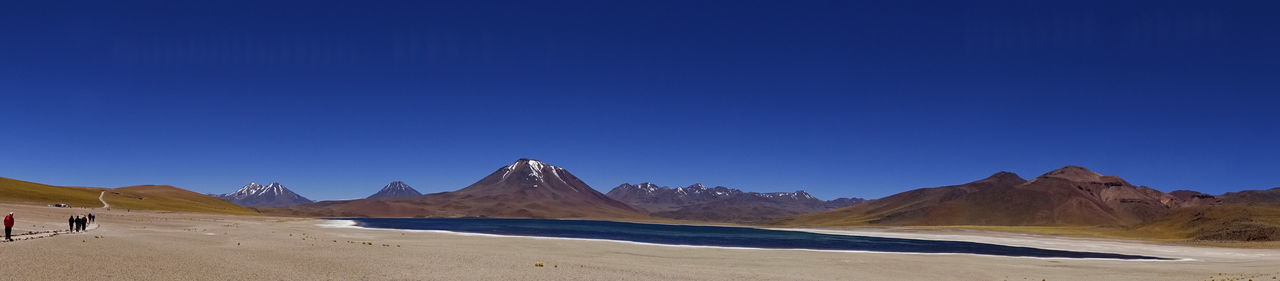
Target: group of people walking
[74, 224]
[79, 223]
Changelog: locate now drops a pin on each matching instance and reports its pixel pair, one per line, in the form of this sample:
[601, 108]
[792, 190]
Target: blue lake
[716, 236]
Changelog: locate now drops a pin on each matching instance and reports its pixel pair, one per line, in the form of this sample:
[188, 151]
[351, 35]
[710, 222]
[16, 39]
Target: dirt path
[104, 201]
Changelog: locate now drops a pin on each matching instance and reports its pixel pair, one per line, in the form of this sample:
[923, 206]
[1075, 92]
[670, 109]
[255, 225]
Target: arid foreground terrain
[147, 245]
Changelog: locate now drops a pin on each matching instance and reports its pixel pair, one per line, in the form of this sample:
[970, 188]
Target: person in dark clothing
[92, 217]
[8, 227]
[71, 224]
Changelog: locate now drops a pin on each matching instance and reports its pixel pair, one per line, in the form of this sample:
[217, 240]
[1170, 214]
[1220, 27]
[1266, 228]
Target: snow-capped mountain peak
[396, 185]
[532, 171]
[536, 174]
[273, 188]
[274, 194]
[250, 188]
[644, 187]
[255, 189]
[647, 187]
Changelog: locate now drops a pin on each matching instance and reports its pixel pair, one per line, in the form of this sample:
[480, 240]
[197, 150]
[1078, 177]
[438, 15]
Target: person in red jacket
[8, 227]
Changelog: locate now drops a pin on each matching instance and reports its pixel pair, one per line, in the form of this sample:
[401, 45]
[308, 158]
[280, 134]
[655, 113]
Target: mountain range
[256, 195]
[525, 189]
[1070, 196]
[721, 204]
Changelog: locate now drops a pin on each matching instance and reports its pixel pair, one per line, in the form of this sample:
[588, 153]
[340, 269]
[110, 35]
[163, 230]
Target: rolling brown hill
[1068, 196]
[1225, 222]
[525, 189]
[141, 197]
[1265, 197]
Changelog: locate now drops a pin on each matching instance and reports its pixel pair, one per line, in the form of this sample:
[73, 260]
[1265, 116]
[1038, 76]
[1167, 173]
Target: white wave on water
[339, 224]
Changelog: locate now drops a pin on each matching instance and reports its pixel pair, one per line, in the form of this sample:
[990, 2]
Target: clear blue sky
[842, 98]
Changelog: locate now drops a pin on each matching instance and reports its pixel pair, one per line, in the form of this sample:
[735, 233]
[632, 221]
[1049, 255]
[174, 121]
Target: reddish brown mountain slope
[1190, 198]
[525, 189]
[1068, 196]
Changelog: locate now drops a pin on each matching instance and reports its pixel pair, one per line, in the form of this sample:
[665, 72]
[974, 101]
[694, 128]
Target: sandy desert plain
[152, 245]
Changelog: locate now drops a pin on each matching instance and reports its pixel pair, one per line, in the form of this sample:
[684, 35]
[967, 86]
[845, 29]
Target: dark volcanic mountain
[396, 189]
[843, 202]
[653, 198]
[525, 189]
[698, 202]
[1068, 196]
[273, 195]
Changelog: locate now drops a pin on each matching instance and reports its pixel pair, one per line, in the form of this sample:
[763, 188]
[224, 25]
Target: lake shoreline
[353, 223]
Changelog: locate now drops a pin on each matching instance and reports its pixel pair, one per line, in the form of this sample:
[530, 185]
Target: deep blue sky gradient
[842, 98]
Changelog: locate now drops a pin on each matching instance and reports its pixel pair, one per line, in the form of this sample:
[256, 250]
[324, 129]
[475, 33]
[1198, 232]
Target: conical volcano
[396, 189]
[531, 188]
[528, 174]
